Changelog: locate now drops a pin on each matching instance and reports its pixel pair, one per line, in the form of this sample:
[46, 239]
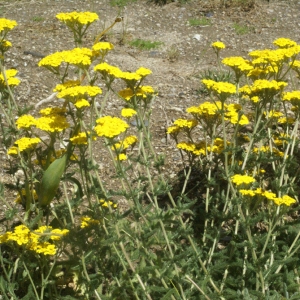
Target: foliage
[227, 229]
[144, 44]
[200, 22]
[241, 29]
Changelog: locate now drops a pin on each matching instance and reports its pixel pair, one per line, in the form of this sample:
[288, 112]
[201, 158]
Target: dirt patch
[184, 51]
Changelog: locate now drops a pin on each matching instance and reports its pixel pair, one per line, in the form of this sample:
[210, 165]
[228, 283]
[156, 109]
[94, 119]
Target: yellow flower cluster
[4, 45]
[6, 25]
[262, 86]
[80, 57]
[25, 122]
[109, 203]
[52, 123]
[218, 45]
[293, 97]
[80, 138]
[87, 221]
[186, 124]
[284, 43]
[126, 143]
[209, 112]
[110, 127]
[202, 148]
[266, 149]
[76, 92]
[128, 112]
[23, 144]
[114, 72]
[284, 200]
[22, 236]
[223, 89]
[142, 91]
[65, 85]
[79, 18]
[239, 179]
[11, 79]
[238, 63]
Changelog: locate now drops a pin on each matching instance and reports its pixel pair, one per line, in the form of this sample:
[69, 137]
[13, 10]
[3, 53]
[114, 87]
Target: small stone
[198, 37]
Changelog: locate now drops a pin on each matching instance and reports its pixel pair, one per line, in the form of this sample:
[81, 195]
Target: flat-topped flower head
[221, 89]
[80, 139]
[65, 85]
[6, 25]
[101, 49]
[77, 18]
[76, 92]
[128, 112]
[80, 57]
[11, 79]
[239, 179]
[26, 143]
[186, 124]
[263, 87]
[107, 70]
[25, 122]
[143, 72]
[4, 46]
[49, 111]
[284, 43]
[218, 45]
[53, 123]
[110, 127]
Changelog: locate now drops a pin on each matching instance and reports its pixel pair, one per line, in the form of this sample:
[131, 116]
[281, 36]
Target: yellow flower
[110, 127]
[286, 200]
[223, 89]
[103, 46]
[49, 111]
[126, 143]
[79, 92]
[121, 156]
[238, 63]
[5, 45]
[105, 203]
[11, 79]
[218, 45]
[284, 43]
[143, 72]
[87, 221]
[77, 18]
[12, 150]
[128, 112]
[186, 124]
[26, 143]
[6, 25]
[173, 130]
[242, 179]
[53, 123]
[65, 85]
[189, 147]
[80, 138]
[106, 69]
[25, 122]
[127, 94]
[247, 193]
[82, 103]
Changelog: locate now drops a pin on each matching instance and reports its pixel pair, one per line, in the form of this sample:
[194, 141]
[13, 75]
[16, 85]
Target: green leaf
[51, 180]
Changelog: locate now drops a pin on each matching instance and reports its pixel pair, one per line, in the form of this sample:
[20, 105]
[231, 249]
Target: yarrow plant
[79, 230]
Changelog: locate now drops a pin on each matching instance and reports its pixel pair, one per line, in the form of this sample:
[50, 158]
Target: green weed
[38, 19]
[144, 44]
[200, 22]
[241, 29]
